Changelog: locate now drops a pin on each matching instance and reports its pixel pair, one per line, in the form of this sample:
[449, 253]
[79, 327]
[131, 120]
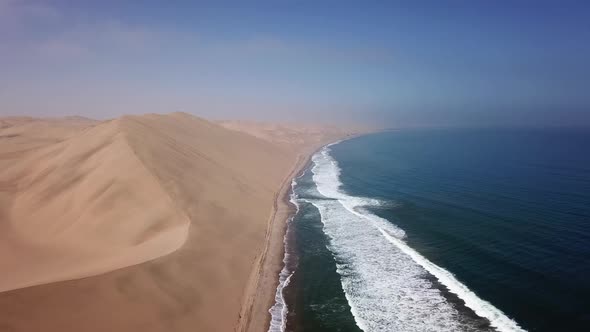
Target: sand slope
[82, 206]
[291, 135]
[175, 207]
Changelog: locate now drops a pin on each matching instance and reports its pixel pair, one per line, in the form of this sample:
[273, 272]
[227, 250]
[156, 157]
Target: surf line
[481, 307]
[278, 312]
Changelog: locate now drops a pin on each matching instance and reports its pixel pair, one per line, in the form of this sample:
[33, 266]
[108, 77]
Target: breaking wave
[278, 311]
[384, 280]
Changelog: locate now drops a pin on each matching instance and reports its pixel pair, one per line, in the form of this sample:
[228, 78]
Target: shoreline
[259, 296]
[483, 314]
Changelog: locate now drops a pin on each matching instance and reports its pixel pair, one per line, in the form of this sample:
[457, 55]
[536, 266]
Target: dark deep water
[507, 212]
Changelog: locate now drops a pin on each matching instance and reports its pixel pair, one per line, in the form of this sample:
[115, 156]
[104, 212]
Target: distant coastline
[259, 297]
[386, 241]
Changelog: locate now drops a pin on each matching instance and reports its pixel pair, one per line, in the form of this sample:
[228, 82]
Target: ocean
[441, 230]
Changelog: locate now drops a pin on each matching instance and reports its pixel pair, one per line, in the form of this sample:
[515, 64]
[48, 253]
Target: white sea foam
[382, 277]
[278, 312]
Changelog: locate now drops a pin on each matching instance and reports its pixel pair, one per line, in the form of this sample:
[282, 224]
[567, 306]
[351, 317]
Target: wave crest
[382, 277]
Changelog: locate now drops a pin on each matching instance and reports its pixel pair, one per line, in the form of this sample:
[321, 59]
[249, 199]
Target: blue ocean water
[444, 230]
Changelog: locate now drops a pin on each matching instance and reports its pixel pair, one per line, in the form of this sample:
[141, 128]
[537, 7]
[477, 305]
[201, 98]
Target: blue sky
[394, 62]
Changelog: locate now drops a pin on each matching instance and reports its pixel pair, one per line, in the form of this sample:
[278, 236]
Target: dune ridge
[85, 177]
[158, 222]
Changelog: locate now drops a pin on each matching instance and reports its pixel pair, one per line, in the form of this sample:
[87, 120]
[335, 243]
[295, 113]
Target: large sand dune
[143, 223]
[83, 206]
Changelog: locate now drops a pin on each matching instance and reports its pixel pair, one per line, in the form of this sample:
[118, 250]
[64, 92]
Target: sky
[394, 63]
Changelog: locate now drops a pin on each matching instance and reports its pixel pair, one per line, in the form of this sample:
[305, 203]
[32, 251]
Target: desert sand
[144, 223]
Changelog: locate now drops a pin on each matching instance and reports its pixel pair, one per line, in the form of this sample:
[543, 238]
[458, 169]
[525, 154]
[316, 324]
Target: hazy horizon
[423, 63]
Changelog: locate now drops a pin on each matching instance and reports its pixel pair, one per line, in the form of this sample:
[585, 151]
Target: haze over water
[391, 63]
[434, 230]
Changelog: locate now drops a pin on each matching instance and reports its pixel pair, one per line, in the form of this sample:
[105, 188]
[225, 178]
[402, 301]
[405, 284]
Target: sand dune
[82, 206]
[164, 216]
[290, 135]
[24, 133]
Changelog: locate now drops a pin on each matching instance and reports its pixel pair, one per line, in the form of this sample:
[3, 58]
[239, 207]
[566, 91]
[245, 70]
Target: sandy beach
[175, 221]
[263, 283]
[260, 294]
